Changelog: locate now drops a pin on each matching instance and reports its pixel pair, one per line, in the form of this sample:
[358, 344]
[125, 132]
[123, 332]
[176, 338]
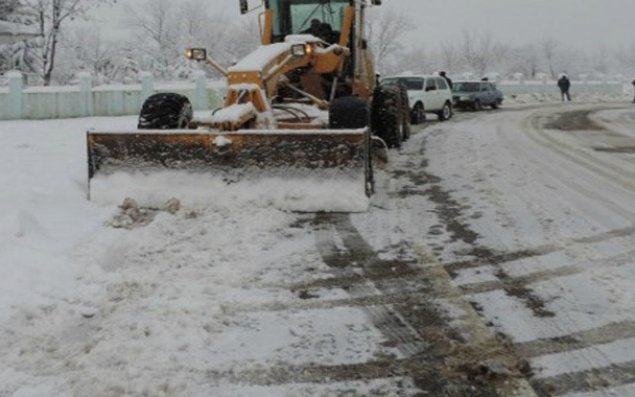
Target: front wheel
[446, 112]
[348, 113]
[165, 111]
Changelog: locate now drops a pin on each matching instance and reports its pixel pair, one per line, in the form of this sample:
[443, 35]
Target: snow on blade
[328, 193]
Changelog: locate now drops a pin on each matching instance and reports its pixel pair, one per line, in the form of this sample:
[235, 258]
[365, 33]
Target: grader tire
[348, 113]
[387, 114]
[405, 119]
[165, 111]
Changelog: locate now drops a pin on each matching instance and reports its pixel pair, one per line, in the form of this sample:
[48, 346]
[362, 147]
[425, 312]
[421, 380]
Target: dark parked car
[476, 94]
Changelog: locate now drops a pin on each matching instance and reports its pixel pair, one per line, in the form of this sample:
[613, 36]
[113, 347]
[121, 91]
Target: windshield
[467, 87]
[411, 83]
[321, 18]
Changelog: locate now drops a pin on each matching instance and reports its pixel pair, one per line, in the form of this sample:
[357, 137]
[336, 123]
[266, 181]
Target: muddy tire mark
[451, 213]
[448, 364]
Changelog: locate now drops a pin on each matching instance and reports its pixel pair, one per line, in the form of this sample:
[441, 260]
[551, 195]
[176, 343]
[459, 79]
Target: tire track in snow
[578, 340]
[596, 379]
[449, 355]
[546, 275]
[593, 379]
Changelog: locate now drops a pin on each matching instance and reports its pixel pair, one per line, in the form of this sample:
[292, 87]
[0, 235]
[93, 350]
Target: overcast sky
[583, 24]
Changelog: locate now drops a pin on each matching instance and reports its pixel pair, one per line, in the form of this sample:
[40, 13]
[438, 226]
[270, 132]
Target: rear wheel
[348, 112]
[386, 115]
[446, 112]
[496, 104]
[165, 111]
[418, 114]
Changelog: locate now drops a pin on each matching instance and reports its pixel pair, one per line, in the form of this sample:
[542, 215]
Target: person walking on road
[564, 85]
[444, 75]
[633, 82]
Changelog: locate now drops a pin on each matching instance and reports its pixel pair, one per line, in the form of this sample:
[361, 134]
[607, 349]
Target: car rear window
[466, 87]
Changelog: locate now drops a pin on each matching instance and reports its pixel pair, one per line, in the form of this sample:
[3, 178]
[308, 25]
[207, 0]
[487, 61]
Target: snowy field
[499, 237]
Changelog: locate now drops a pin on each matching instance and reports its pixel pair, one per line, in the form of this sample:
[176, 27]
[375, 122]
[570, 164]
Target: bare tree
[449, 56]
[385, 31]
[626, 59]
[524, 59]
[549, 51]
[417, 60]
[479, 51]
[50, 16]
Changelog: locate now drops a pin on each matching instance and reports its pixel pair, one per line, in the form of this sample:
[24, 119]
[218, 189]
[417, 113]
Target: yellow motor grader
[302, 110]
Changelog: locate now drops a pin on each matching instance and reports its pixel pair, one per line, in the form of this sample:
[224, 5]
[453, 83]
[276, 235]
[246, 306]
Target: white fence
[605, 88]
[84, 100]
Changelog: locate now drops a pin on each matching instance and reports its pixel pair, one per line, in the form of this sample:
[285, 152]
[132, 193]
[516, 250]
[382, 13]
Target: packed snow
[187, 299]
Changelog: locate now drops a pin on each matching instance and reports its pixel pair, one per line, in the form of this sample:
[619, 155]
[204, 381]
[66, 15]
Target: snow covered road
[550, 193]
[498, 255]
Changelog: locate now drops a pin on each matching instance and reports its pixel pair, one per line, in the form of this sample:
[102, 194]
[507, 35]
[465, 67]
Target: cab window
[321, 19]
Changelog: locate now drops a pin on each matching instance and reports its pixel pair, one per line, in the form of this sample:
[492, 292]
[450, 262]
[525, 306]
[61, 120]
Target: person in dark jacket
[444, 75]
[564, 85]
[633, 82]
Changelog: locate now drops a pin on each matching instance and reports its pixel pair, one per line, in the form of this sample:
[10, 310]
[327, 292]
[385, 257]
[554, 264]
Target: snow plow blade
[306, 171]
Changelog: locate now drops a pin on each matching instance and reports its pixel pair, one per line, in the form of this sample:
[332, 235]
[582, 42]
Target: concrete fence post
[201, 97]
[85, 94]
[15, 105]
[147, 86]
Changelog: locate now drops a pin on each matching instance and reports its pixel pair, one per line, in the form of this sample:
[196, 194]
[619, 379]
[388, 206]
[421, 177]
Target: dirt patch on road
[577, 120]
[623, 149]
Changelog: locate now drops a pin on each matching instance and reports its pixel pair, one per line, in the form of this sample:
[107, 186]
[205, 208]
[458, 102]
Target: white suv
[427, 94]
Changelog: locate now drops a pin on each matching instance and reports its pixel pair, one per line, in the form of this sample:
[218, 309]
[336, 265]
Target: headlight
[196, 54]
[466, 98]
[300, 50]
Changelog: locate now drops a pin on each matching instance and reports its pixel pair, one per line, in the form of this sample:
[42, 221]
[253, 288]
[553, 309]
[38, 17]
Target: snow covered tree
[156, 36]
[50, 16]
[7, 8]
[163, 31]
[15, 56]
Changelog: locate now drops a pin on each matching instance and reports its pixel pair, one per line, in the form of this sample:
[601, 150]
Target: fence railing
[84, 100]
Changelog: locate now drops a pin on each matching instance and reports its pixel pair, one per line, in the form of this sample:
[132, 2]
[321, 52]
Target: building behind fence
[83, 100]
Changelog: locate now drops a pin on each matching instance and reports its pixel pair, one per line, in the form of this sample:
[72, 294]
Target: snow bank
[534, 98]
